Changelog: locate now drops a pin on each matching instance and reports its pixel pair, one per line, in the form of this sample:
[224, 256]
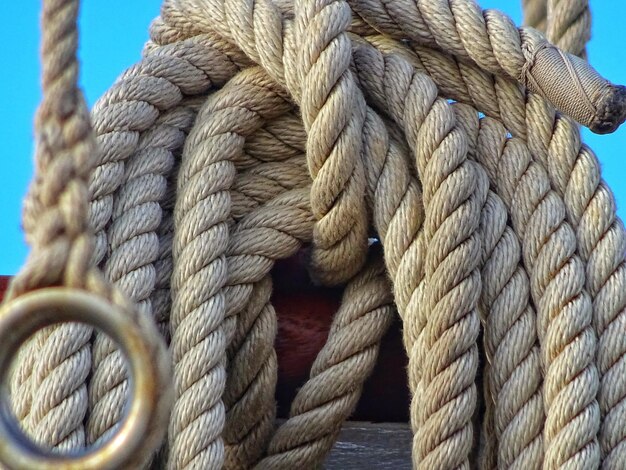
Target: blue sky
[112, 35]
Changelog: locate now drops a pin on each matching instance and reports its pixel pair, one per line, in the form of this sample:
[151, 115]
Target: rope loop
[34, 311]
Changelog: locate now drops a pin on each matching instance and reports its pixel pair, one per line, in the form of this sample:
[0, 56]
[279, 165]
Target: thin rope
[53, 377]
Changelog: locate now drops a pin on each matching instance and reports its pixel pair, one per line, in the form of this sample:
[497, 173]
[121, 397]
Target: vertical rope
[512, 426]
[575, 174]
[535, 14]
[56, 223]
[564, 321]
[333, 112]
[569, 25]
[412, 102]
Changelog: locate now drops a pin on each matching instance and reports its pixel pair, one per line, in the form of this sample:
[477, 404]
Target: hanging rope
[250, 130]
[50, 379]
[566, 23]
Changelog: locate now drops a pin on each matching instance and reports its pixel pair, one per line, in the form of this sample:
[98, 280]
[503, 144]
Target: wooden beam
[371, 446]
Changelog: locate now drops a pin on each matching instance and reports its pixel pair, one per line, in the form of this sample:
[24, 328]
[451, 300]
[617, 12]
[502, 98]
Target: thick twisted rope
[252, 360]
[566, 23]
[557, 286]
[280, 226]
[512, 425]
[542, 120]
[255, 181]
[426, 117]
[592, 212]
[535, 14]
[469, 380]
[55, 218]
[169, 74]
[490, 40]
[565, 159]
[204, 181]
[346, 360]
[569, 25]
[134, 252]
[333, 112]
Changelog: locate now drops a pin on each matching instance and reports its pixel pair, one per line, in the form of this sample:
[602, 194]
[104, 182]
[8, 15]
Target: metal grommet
[22, 317]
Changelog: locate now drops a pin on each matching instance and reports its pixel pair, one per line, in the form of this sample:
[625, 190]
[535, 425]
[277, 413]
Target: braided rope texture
[250, 129]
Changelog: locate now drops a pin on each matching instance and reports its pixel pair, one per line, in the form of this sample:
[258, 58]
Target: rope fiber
[426, 153]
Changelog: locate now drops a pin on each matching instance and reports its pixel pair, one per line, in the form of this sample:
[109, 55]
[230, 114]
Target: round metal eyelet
[149, 387]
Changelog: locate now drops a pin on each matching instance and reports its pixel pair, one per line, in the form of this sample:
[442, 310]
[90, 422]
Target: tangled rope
[251, 129]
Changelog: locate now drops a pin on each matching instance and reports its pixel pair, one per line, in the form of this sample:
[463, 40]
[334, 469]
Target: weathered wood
[371, 446]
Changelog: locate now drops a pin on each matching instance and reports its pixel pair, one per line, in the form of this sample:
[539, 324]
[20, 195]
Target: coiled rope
[253, 128]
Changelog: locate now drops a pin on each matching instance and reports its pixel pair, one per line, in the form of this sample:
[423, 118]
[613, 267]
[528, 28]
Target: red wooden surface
[305, 313]
[4, 281]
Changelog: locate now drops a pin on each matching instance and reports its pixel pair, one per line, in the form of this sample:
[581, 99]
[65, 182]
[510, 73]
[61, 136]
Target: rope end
[572, 85]
[611, 110]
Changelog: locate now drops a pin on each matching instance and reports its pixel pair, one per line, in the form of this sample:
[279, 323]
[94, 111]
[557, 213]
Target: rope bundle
[253, 128]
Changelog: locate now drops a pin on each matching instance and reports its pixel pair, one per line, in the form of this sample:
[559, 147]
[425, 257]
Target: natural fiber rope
[566, 23]
[202, 217]
[252, 370]
[338, 373]
[564, 311]
[566, 156]
[55, 218]
[514, 414]
[53, 381]
[432, 122]
[333, 113]
[569, 25]
[535, 14]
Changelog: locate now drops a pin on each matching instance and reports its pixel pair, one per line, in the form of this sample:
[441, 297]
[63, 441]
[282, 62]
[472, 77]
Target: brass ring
[29, 313]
